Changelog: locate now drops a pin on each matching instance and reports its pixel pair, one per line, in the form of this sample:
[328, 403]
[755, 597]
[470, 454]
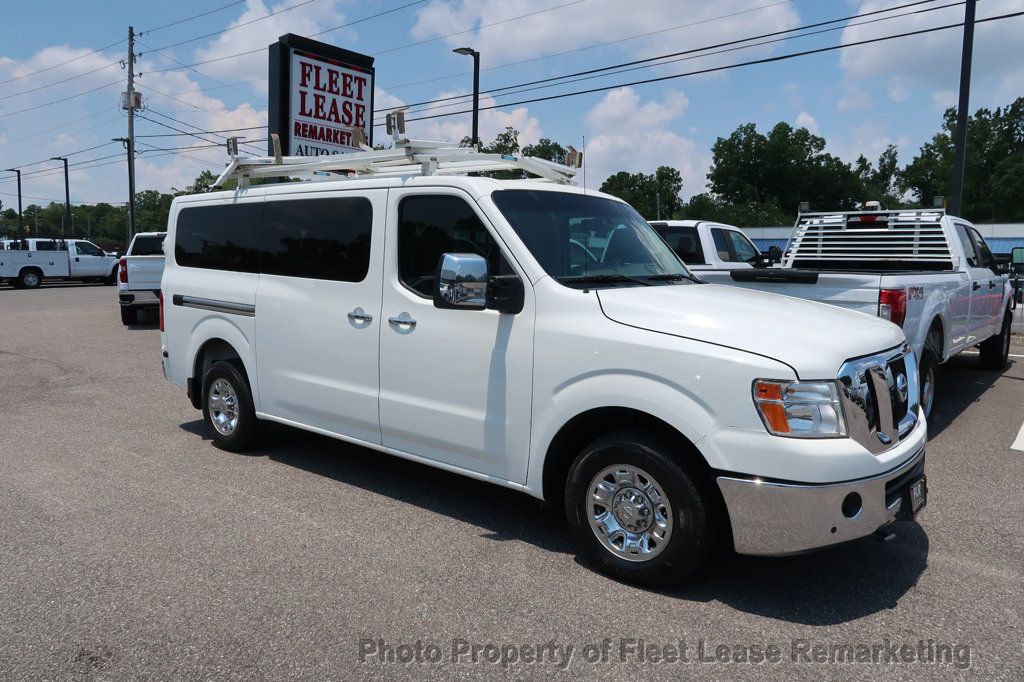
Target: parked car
[929, 273]
[26, 263]
[710, 250]
[138, 281]
[545, 339]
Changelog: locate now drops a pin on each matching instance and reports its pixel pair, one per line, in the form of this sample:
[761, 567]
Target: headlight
[800, 409]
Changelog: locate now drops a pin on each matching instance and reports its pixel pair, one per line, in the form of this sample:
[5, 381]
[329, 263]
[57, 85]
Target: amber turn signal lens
[766, 391]
[775, 415]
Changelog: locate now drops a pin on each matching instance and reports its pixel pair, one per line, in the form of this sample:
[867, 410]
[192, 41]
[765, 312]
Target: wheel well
[214, 350]
[937, 327]
[584, 428]
[30, 268]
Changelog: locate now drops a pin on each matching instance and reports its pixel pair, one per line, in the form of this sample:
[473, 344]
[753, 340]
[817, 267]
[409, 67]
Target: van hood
[813, 338]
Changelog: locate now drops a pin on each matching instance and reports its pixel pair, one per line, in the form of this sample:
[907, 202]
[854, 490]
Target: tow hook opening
[852, 505]
[885, 534]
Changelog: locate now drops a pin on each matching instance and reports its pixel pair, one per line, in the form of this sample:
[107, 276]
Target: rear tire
[30, 279]
[659, 518]
[129, 315]
[228, 407]
[112, 279]
[995, 351]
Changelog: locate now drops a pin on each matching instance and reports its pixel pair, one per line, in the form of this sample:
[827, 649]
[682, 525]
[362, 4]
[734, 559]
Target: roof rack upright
[407, 158]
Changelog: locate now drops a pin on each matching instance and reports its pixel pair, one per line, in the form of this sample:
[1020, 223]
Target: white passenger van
[464, 322]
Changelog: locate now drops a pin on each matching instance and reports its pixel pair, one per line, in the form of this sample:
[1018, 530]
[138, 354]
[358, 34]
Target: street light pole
[960, 154]
[476, 89]
[67, 192]
[21, 227]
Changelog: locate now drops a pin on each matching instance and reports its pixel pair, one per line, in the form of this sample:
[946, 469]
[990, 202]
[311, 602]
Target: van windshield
[587, 241]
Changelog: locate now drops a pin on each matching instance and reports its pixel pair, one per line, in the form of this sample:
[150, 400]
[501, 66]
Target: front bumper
[775, 518]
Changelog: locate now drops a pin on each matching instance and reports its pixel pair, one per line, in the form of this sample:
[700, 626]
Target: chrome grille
[880, 397]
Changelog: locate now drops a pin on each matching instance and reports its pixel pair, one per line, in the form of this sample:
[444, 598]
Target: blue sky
[860, 98]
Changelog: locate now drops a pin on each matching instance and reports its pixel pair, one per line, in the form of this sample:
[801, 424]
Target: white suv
[465, 323]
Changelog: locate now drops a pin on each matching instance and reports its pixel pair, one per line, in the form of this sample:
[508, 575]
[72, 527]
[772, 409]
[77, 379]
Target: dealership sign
[319, 94]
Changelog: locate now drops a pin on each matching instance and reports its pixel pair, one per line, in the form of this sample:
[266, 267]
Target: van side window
[318, 238]
[223, 237]
[432, 225]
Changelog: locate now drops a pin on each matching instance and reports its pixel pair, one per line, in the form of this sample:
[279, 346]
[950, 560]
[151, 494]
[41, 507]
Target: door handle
[76, 259]
[975, 286]
[358, 315]
[991, 284]
[402, 321]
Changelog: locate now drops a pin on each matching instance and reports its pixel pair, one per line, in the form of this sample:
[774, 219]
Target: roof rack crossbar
[407, 157]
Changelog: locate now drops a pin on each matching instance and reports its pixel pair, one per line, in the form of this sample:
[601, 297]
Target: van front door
[455, 385]
[318, 310]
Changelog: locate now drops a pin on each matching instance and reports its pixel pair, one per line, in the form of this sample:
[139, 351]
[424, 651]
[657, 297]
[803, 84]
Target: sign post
[318, 95]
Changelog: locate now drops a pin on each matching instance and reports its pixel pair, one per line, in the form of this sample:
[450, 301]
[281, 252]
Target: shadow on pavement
[960, 382]
[820, 588]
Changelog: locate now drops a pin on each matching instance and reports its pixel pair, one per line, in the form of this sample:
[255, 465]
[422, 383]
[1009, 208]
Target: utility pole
[957, 186]
[21, 226]
[131, 101]
[67, 194]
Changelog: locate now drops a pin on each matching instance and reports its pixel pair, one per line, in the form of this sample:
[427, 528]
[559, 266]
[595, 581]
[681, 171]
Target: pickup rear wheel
[111, 278]
[129, 315]
[995, 351]
[228, 407]
[638, 513]
[30, 278]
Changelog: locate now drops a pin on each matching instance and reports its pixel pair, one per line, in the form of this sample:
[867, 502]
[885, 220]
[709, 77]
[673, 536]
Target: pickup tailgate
[144, 272]
[851, 290]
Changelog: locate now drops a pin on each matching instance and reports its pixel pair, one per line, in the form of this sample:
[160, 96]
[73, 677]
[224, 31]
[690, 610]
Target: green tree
[749, 214]
[881, 181]
[650, 194]
[151, 210]
[781, 169]
[546, 149]
[993, 187]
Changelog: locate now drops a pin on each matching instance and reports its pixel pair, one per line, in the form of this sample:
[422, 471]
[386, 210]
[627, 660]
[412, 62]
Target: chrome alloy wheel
[629, 513]
[222, 402]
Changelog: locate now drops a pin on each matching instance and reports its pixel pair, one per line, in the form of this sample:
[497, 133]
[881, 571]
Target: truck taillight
[122, 271]
[160, 297]
[892, 305]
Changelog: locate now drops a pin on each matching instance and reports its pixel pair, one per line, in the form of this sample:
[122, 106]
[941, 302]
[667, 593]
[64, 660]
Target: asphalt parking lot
[132, 547]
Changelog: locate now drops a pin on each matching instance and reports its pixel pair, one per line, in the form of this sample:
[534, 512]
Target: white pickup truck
[930, 273]
[542, 338]
[710, 250]
[138, 281]
[26, 263]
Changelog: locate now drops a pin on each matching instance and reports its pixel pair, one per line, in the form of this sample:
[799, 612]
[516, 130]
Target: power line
[80, 151]
[191, 125]
[593, 46]
[196, 106]
[616, 69]
[179, 133]
[75, 59]
[69, 78]
[372, 16]
[766, 60]
[193, 70]
[232, 28]
[82, 130]
[194, 16]
[58, 101]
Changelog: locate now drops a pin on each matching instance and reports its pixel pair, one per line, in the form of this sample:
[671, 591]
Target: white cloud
[627, 135]
[943, 99]
[931, 61]
[805, 120]
[582, 24]
[492, 121]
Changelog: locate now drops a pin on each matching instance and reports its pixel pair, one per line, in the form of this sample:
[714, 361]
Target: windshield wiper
[604, 278]
[675, 277]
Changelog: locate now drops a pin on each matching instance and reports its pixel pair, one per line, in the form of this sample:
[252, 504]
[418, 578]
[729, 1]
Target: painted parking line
[1018, 442]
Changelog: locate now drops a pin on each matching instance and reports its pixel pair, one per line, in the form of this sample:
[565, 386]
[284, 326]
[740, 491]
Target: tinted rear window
[223, 237]
[318, 238]
[148, 246]
[684, 240]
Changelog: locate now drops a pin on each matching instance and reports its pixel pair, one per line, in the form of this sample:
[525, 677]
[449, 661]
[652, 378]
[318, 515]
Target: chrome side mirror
[461, 282]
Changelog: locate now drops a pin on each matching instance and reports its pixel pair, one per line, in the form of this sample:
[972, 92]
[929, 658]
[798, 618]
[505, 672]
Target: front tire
[637, 513]
[995, 351]
[228, 407]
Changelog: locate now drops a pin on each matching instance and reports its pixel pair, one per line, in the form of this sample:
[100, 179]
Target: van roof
[477, 187]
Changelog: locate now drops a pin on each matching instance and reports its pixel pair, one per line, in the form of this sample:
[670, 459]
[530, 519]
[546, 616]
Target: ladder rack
[406, 158]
